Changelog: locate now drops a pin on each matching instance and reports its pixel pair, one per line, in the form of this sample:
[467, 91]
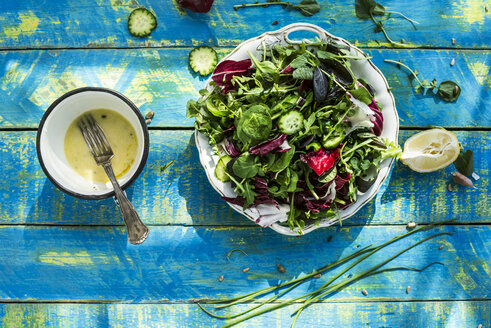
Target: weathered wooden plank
[43, 263]
[182, 195]
[379, 314]
[159, 80]
[64, 23]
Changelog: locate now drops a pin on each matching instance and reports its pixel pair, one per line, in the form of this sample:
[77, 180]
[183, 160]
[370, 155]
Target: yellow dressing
[121, 137]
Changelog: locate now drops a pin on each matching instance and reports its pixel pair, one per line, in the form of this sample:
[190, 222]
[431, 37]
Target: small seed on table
[220, 279]
[452, 62]
[317, 276]
[280, 268]
[274, 23]
[479, 326]
[364, 292]
[408, 289]
[450, 188]
[441, 247]
[453, 40]
[411, 225]
[148, 121]
[149, 115]
[245, 270]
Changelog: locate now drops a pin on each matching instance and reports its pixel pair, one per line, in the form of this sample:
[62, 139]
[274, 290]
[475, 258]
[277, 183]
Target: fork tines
[94, 137]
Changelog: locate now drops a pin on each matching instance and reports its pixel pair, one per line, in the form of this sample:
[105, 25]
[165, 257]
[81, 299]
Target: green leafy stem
[305, 7]
[447, 90]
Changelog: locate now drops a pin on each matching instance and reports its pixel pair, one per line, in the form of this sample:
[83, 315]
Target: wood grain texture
[176, 264]
[325, 315]
[160, 80]
[64, 24]
[182, 195]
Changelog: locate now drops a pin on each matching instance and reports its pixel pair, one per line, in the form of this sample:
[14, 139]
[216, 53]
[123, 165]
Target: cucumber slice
[221, 168]
[203, 60]
[333, 141]
[141, 22]
[291, 122]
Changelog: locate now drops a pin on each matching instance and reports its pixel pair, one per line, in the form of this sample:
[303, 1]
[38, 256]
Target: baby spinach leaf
[465, 163]
[283, 161]
[362, 94]
[245, 167]
[254, 125]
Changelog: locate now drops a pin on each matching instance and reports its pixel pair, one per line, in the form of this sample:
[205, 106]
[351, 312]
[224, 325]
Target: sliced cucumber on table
[203, 60]
[141, 22]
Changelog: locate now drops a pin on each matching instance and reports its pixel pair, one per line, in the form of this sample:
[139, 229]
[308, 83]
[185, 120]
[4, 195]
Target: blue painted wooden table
[66, 262]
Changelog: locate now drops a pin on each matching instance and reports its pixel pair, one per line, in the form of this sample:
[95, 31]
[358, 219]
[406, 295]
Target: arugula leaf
[465, 163]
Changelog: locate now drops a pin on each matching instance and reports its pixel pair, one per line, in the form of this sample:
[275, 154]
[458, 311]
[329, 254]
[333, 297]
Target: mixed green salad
[293, 127]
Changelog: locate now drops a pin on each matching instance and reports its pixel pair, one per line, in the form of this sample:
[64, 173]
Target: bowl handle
[309, 28]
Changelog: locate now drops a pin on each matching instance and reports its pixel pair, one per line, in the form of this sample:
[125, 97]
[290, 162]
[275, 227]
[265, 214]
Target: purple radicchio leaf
[306, 85]
[378, 118]
[276, 145]
[287, 70]
[231, 148]
[227, 69]
[341, 179]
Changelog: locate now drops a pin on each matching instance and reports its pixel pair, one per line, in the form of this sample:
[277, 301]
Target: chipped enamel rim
[362, 69]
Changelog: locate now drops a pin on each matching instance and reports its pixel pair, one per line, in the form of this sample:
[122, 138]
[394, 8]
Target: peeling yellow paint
[66, 258]
[481, 72]
[110, 76]
[471, 11]
[57, 84]
[27, 26]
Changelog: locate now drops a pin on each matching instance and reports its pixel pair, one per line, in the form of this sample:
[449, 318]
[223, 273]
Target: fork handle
[137, 231]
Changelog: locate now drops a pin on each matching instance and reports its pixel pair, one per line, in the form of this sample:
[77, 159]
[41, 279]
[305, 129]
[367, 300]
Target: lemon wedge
[430, 150]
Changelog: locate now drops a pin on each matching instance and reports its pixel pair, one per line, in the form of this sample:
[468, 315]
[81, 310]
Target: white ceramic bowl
[53, 128]
[364, 69]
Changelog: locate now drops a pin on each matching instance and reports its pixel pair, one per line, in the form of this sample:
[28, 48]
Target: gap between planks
[218, 301]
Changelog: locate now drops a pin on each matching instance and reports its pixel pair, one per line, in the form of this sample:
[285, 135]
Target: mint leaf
[465, 163]
[300, 62]
[303, 73]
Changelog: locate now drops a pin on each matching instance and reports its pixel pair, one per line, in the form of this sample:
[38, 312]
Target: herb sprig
[448, 91]
[327, 288]
[305, 7]
[370, 8]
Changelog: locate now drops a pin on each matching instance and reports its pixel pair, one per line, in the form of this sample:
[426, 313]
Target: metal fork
[101, 150]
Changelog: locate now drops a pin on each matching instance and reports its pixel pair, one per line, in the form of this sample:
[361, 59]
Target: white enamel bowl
[53, 128]
[364, 69]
